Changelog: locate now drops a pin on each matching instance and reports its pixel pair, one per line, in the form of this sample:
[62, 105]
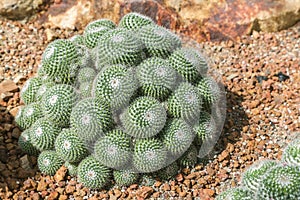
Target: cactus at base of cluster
[291, 153]
[113, 150]
[69, 146]
[49, 162]
[280, 182]
[238, 193]
[124, 97]
[255, 173]
[92, 173]
[125, 177]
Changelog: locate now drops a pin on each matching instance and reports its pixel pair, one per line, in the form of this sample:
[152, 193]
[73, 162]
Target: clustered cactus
[118, 101]
[270, 179]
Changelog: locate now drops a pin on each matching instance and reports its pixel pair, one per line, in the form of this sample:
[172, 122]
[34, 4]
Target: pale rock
[8, 86]
[17, 10]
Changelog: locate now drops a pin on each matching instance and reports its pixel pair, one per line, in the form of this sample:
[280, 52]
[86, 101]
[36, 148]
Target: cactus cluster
[119, 101]
[270, 179]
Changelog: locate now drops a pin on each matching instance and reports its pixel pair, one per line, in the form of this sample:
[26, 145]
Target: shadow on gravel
[236, 119]
[15, 165]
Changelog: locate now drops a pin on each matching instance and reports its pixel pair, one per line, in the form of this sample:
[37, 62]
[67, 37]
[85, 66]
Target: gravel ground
[262, 81]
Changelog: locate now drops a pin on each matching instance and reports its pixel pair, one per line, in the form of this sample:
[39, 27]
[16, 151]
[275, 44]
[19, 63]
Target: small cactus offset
[255, 173]
[115, 85]
[57, 103]
[113, 150]
[238, 193]
[189, 63]
[69, 146]
[91, 118]
[29, 90]
[159, 42]
[92, 173]
[49, 162]
[125, 177]
[28, 114]
[43, 134]
[134, 21]
[120, 101]
[291, 153]
[280, 182]
[157, 78]
[144, 118]
[149, 155]
[95, 30]
[177, 136]
[25, 143]
[185, 103]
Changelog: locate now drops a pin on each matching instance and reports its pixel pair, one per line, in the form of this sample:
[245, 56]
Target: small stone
[16, 133]
[50, 35]
[157, 184]
[14, 111]
[5, 96]
[166, 187]
[70, 189]
[155, 194]
[42, 185]
[117, 193]
[63, 197]
[53, 195]
[35, 196]
[8, 86]
[224, 155]
[179, 177]
[25, 162]
[60, 174]
[187, 183]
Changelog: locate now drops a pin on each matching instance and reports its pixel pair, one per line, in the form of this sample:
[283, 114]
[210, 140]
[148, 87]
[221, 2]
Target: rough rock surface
[16, 9]
[212, 20]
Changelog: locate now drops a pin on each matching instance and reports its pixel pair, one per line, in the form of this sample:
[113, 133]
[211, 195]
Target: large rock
[19, 9]
[200, 19]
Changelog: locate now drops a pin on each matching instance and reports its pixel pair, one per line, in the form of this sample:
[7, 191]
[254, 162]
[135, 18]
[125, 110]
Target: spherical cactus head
[42, 89]
[168, 172]
[238, 193]
[205, 128]
[72, 168]
[91, 118]
[144, 118]
[209, 91]
[94, 30]
[119, 46]
[28, 114]
[77, 40]
[158, 41]
[69, 146]
[125, 177]
[43, 134]
[189, 63]
[280, 182]
[177, 136]
[92, 174]
[189, 158]
[149, 155]
[133, 21]
[116, 85]
[291, 154]
[113, 150]
[29, 90]
[185, 103]
[157, 78]
[252, 177]
[25, 143]
[57, 103]
[49, 162]
[59, 60]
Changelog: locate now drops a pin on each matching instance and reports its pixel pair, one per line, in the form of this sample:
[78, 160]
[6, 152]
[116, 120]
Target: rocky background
[253, 44]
